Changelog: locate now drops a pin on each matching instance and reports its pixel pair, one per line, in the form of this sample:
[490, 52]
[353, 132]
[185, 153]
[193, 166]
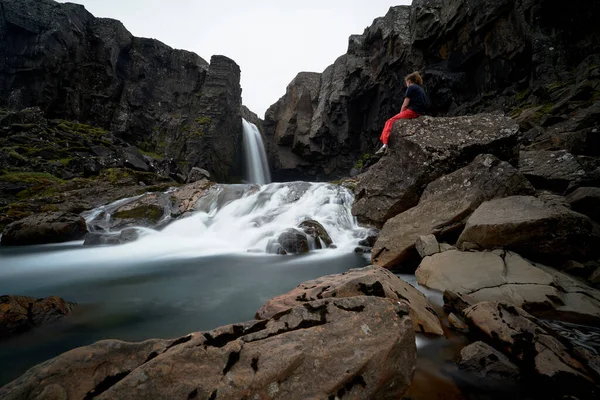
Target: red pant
[406, 114]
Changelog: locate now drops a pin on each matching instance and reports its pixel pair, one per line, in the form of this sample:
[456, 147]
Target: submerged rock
[445, 206]
[20, 314]
[531, 227]
[291, 241]
[368, 281]
[366, 345]
[317, 233]
[423, 150]
[55, 227]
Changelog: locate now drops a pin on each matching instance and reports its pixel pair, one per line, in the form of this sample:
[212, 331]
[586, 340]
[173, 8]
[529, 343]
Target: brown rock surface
[368, 281]
[445, 206]
[53, 227]
[507, 277]
[535, 346]
[421, 151]
[359, 347]
[531, 227]
[19, 314]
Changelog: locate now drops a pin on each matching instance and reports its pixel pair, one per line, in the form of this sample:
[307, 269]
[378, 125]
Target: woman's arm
[405, 104]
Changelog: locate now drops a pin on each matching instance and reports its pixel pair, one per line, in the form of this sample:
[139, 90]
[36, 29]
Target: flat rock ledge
[368, 281]
[357, 347]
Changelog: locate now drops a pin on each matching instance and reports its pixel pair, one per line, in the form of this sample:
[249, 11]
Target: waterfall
[257, 167]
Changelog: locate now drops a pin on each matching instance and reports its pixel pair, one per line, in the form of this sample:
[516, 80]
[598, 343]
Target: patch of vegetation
[361, 162]
[81, 129]
[148, 212]
[150, 154]
[29, 177]
[49, 208]
[203, 120]
[522, 95]
[65, 161]
[16, 156]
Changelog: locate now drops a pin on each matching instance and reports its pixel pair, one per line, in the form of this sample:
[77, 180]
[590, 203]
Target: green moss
[80, 129]
[49, 208]
[150, 154]
[23, 127]
[203, 120]
[16, 156]
[65, 161]
[149, 212]
[29, 177]
[522, 95]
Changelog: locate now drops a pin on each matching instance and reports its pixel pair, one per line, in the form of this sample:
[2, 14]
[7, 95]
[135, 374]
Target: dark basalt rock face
[535, 60]
[78, 67]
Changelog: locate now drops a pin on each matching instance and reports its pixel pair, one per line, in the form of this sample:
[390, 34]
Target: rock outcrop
[368, 281]
[538, 350]
[526, 58]
[507, 277]
[445, 206]
[486, 362]
[424, 150]
[531, 227]
[54, 227]
[77, 67]
[263, 359]
[20, 314]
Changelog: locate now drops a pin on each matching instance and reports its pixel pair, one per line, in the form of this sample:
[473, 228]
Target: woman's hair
[415, 77]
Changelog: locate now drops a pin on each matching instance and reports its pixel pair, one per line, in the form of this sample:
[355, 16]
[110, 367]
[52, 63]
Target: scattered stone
[527, 225]
[457, 324]
[197, 174]
[486, 362]
[507, 277]
[54, 227]
[535, 347]
[366, 345]
[445, 206]
[427, 245]
[586, 200]
[20, 314]
[423, 150]
[553, 170]
[368, 281]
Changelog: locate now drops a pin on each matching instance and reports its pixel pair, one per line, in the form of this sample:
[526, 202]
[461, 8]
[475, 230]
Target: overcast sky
[271, 40]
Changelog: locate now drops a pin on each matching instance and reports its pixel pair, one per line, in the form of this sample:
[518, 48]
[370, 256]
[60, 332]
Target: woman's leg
[387, 129]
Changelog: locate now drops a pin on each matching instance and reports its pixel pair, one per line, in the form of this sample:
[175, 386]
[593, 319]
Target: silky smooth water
[257, 166]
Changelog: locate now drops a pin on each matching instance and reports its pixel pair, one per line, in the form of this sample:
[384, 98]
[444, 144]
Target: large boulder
[368, 281]
[536, 348]
[19, 314]
[366, 345]
[54, 227]
[423, 150]
[553, 170]
[531, 227]
[445, 206]
[507, 277]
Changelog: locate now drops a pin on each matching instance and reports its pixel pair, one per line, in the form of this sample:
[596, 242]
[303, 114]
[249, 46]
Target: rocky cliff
[59, 57]
[535, 60]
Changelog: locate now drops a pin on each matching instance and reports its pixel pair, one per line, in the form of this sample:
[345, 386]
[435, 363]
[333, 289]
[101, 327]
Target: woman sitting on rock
[414, 105]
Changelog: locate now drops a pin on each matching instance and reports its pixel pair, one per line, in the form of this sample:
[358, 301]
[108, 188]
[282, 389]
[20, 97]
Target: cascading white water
[257, 167]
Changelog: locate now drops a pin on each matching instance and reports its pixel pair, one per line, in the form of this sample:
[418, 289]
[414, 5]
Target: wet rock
[186, 197]
[507, 277]
[446, 205]
[291, 241]
[535, 347]
[100, 239]
[553, 170]
[55, 227]
[317, 233]
[371, 238]
[20, 314]
[486, 362]
[427, 245]
[197, 174]
[586, 200]
[373, 337]
[368, 281]
[423, 150]
[457, 324]
[531, 227]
